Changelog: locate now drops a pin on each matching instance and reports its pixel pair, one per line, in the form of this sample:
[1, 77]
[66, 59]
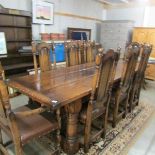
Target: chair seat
[34, 126]
[95, 113]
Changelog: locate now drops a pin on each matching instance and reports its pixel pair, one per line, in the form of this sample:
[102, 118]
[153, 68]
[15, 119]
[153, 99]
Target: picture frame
[71, 30]
[3, 49]
[42, 12]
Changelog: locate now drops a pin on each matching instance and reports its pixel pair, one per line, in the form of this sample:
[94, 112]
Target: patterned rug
[116, 140]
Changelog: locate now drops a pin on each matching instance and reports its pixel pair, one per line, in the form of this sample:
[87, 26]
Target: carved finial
[33, 47]
[98, 56]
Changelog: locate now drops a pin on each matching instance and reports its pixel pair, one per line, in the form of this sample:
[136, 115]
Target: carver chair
[120, 94]
[139, 76]
[24, 124]
[98, 104]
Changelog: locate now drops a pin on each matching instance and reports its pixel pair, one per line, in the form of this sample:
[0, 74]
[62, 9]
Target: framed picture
[3, 49]
[42, 12]
[79, 33]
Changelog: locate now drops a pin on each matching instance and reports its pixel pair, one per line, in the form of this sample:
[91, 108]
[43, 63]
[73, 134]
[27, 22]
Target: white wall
[88, 8]
[17, 4]
[149, 17]
[135, 14]
[143, 16]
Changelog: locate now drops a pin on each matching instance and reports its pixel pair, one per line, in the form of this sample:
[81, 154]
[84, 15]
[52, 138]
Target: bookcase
[16, 25]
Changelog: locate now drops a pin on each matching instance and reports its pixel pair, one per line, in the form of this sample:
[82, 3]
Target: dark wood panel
[23, 21]
[6, 20]
[16, 25]
[9, 33]
[12, 48]
[23, 34]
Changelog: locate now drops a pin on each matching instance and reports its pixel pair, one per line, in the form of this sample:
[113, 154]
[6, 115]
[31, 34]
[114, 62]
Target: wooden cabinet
[16, 25]
[146, 35]
[150, 71]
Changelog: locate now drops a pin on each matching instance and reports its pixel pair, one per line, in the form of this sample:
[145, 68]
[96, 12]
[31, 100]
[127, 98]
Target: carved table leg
[71, 143]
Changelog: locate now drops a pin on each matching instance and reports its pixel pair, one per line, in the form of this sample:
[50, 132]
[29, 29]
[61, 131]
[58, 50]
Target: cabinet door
[151, 40]
[140, 35]
[150, 72]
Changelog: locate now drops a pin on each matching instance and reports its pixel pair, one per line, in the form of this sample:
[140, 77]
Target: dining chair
[99, 100]
[72, 52]
[139, 76]
[79, 52]
[120, 94]
[42, 51]
[23, 124]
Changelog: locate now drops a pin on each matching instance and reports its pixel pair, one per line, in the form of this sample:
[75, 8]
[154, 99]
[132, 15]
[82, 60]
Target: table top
[61, 86]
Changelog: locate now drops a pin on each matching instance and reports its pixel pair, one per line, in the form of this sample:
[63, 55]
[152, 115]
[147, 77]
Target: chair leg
[58, 130]
[115, 113]
[105, 119]
[18, 148]
[87, 136]
[131, 102]
[15, 136]
[86, 148]
[87, 129]
[1, 141]
[126, 107]
[114, 124]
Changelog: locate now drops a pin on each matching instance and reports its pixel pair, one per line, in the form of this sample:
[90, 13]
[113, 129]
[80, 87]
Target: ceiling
[125, 3]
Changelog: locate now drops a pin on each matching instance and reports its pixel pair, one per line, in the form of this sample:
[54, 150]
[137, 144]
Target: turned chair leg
[1, 141]
[113, 124]
[58, 130]
[87, 135]
[86, 148]
[115, 115]
[105, 119]
[18, 148]
[131, 102]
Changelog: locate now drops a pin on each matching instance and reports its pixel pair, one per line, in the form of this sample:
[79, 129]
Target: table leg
[71, 143]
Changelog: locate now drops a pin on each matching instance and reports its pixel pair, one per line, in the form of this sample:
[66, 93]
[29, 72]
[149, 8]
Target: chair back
[105, 72]
[79, 52]
[90, 52]
[4, 101]
[146, 51]
[131, 59]
[43, 51]
[72, 53]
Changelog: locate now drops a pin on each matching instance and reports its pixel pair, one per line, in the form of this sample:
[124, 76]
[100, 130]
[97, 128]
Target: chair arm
[31, 112]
